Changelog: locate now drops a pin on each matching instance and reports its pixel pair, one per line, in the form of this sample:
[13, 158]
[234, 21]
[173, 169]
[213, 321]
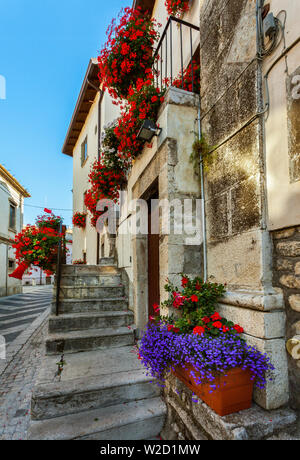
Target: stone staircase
[103, 392]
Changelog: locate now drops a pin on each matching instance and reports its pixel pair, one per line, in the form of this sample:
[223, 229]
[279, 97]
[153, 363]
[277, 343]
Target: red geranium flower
[156, 307]
[184, 281]
[206, 319]
[238, 329]
[198, 330]
[217, 324]
[216, 316]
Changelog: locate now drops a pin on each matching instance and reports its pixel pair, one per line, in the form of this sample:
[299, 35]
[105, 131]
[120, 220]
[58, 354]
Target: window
[11, 265]
[12, 216]
[84, 152]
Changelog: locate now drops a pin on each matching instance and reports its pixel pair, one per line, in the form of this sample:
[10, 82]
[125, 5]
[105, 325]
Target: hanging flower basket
[37, 245]
[177, 7]
[233, 390]
[79, 219]
[128, 52]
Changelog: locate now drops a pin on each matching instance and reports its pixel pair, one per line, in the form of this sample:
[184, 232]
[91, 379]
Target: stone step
[75, 341]
[106, 279]
[89, 269]
[81, 321]
[136, 420]
[91, 292]
[90, 380]
[91, 305]
[107, 261]
[63, 398]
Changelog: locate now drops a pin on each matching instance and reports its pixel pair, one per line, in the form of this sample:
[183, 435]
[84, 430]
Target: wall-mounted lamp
[148, 131]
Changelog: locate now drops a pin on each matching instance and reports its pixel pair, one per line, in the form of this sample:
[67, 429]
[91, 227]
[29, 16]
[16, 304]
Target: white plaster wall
[7, 192]
[283, 196]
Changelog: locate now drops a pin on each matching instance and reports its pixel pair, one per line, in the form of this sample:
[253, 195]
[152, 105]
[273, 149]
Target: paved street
[19, 311]
[22, 323]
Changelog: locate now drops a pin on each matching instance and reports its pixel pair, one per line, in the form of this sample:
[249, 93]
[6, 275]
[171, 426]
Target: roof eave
[67, 150]
[14, 183]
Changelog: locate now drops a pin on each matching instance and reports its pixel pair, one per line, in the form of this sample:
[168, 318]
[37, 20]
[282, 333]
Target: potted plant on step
[203, 349]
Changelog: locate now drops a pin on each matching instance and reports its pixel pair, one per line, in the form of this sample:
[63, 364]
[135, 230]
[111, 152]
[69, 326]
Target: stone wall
[189, 419]
[287, 277]
[239, 244]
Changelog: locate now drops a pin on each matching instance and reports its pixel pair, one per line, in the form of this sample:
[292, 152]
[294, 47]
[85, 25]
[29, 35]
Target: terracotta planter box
[233, 392]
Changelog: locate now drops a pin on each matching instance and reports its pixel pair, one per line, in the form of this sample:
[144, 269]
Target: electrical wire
[43, 207]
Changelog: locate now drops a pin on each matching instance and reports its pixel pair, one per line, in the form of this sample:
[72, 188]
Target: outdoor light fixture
[148, 131]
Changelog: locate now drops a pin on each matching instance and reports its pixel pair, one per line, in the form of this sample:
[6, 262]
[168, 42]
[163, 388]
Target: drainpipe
[203, 221]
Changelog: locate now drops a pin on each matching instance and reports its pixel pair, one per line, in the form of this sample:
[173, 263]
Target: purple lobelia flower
[162, 350]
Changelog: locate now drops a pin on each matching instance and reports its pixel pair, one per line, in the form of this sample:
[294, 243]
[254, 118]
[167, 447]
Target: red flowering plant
[111, 155]
[79, 262]
[37, 245]
[128, 52]
[177, 7]
[107, 174]
[195, 306]
[48, 220]
[79, 219]
[190, 81]
[144, 101]
[91, 198]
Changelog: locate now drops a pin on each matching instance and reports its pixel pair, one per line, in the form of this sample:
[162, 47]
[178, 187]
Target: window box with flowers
[204, 350]
[79, 262]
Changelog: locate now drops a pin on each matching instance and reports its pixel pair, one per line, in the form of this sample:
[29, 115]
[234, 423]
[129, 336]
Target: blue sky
[45, 47]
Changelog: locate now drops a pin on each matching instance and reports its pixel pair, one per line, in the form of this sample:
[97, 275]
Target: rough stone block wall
[231, 99]
[287, 277]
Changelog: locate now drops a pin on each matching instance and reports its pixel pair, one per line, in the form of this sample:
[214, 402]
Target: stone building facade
[247, 110]
[249, 104]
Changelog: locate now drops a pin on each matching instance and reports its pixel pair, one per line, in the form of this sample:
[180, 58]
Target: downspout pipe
[203, 221]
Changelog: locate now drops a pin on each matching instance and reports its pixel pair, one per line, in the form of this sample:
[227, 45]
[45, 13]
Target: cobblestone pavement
[16, 385]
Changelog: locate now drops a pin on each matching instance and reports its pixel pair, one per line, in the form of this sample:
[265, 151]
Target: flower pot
[233, 391]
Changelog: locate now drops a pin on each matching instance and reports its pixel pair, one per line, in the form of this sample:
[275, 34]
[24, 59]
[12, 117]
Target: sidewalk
[16, 384]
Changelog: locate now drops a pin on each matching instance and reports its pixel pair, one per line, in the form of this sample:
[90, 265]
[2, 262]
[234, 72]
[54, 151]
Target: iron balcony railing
[167, 66]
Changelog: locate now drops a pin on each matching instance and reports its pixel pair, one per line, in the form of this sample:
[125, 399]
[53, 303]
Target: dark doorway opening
[153, 257]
